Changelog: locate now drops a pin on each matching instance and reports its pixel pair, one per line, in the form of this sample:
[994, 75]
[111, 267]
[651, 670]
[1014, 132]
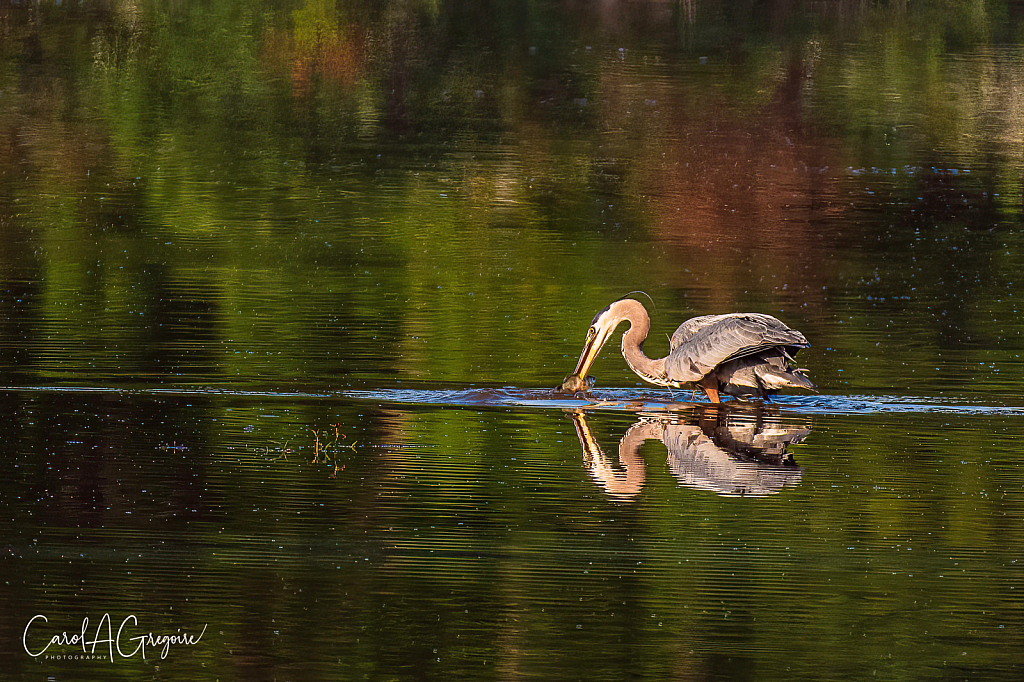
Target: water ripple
[621, 400]
[657, 401]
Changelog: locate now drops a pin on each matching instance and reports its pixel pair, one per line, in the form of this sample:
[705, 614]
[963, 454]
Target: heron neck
[633, 346]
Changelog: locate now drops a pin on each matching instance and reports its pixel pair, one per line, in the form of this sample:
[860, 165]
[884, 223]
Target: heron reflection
[730, 453]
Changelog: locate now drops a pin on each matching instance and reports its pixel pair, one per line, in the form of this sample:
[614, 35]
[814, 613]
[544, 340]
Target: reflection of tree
[727, 451]
[127, 130]
[738, 185]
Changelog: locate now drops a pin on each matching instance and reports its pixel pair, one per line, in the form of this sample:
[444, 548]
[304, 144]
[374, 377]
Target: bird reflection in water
[729, 452]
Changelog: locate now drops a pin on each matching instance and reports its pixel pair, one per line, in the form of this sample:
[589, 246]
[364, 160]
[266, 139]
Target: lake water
[285, 288]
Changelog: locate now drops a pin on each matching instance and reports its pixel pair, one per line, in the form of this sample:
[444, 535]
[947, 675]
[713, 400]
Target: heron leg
[709, 383]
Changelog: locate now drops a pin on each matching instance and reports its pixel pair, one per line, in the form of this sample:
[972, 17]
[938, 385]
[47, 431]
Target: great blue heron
[740, 354]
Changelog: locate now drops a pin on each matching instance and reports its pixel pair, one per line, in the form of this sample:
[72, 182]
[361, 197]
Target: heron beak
[578, 380]
[590, 350]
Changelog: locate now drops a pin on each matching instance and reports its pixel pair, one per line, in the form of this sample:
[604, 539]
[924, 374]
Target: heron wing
[702, 343]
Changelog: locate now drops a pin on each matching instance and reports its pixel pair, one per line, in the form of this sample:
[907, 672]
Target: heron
[739, 354]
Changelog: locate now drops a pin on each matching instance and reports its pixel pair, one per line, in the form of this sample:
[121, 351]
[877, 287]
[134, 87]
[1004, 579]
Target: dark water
[284, 288]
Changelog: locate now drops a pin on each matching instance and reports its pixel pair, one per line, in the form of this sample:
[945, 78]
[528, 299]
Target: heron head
[601, 328]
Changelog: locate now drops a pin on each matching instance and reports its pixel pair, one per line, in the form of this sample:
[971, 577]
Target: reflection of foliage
[421, 182]
[904, 531]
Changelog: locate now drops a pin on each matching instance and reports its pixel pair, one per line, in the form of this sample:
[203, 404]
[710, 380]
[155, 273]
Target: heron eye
[591, 333]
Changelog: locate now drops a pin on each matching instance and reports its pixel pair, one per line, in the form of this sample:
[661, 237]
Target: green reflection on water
[459, 541]
[436, 203]
[349, 177]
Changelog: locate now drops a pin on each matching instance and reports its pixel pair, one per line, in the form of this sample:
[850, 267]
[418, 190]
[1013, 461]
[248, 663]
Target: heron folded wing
[702, 343]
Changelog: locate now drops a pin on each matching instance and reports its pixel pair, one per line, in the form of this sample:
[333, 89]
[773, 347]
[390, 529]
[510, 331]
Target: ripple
[615, 400]
[658, 401]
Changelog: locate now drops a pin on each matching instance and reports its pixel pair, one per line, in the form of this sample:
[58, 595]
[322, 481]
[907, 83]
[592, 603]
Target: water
[285, 289]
